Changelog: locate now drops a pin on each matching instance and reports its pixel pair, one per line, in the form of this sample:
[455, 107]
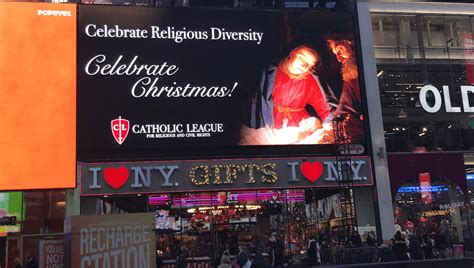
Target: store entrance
[440, 213]
[207, 225]
[204, 226]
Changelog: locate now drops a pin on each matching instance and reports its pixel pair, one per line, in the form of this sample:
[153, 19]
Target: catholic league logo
[120, 129]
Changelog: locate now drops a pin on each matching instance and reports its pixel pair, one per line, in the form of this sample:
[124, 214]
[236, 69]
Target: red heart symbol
[222, 198]
[116, 177]
[312, 171]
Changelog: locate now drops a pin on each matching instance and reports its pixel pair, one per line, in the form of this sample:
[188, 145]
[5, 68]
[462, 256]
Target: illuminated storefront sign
[179, 176]
[196, 78]
[206, 199]
[38, 95]
[433, 213]
[11, 204]
[418, 189]
[445, 99]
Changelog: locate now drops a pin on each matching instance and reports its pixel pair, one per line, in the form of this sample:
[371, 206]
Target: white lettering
[465, 98]
[56, 13]
[438, 100]
[447, 101]
[423, 101]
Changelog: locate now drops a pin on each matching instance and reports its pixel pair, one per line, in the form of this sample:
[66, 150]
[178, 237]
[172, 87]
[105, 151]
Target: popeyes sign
[38, 94]
[166, 176]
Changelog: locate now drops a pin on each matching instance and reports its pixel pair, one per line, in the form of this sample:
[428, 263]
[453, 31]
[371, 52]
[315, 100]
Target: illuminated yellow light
[422, 8]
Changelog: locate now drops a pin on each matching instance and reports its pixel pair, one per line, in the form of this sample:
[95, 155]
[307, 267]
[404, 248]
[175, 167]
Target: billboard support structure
[346, 184]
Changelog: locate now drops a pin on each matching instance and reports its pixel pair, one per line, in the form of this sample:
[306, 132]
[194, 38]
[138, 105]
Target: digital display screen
[38, 96]
[157, 81]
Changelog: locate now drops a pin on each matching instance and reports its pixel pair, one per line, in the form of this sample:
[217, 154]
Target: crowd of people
[404, 246]
[408, 246]
[31, 262]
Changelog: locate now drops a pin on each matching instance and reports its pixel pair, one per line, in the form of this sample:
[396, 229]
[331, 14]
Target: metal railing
[353, 255]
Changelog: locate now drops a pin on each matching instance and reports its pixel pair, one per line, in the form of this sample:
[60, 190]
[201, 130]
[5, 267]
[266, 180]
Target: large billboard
[157, 81]
[38, 96]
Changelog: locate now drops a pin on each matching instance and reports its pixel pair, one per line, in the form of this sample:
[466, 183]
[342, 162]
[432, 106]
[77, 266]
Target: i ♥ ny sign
[228, 174]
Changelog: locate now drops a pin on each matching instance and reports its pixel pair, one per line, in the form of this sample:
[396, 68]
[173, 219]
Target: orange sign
[37, 96]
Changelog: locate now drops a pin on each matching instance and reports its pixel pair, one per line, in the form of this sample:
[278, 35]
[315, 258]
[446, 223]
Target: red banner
[469, 56]
[425, 188]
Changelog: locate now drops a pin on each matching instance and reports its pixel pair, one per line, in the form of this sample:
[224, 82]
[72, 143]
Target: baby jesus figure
[309, 131]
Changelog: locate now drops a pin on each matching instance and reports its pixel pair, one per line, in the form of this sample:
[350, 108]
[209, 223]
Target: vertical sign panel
[37, 96]
[52, 253]
[119, 240]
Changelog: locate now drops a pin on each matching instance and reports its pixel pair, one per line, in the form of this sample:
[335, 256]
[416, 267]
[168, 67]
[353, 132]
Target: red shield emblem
[120, 129]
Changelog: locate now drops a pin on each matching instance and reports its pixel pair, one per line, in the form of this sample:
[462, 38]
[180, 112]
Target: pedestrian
[400, 248]
[416, 253]
[355, 239]
[385, 254]
[259, 261]
[31, 261]
[278, 250]
[16, 263]
[225, 262]
[243, 257]
[441, 244]
[182, 261]
[314, 257]
[427, 247]
[371, 240]
[159, 261]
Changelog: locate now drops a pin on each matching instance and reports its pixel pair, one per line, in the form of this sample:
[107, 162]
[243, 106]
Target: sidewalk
[436, 263]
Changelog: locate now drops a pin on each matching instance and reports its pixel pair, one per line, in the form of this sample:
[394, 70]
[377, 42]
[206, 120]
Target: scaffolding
[346, 184]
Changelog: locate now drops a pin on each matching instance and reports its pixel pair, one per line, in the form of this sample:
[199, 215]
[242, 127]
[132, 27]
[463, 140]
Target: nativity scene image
[295, 104]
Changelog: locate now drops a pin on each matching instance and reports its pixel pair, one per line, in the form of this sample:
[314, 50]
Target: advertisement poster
[52, 254]
[163, 80]
[114, 240]
[38, 96]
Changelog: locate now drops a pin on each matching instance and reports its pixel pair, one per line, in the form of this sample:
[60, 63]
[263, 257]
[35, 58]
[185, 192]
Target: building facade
[169, 122]
[423, 55]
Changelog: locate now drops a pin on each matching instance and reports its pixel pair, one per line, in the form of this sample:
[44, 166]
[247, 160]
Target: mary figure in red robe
[286, 90]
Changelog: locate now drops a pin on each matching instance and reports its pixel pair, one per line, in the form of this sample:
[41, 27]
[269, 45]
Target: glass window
[434, 34]
[444, 60]
[208, 225]
[385, 30]
[440, 210]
